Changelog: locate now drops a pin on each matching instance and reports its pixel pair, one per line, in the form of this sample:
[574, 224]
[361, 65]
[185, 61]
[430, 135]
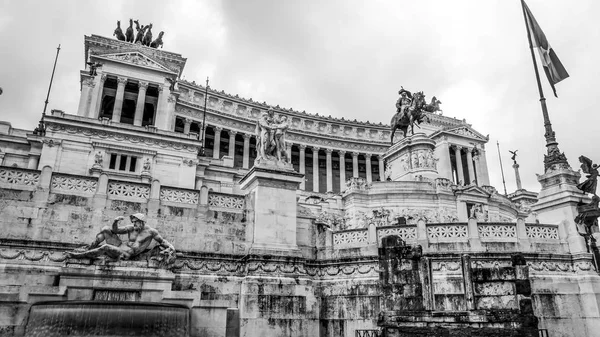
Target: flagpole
[554, 156]
[204, 117]
[41, 128]
[501, 167]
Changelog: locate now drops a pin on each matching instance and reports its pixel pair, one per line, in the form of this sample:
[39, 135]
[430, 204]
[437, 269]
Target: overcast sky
[340, 58]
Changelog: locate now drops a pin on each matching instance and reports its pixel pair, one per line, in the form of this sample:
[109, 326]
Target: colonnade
[331, 176]
[470, 169]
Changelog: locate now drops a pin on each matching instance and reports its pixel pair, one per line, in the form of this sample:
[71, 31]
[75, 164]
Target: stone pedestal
[558, 199]
[272, 191]
[412, 158]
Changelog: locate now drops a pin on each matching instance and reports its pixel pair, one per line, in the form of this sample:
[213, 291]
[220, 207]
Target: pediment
[472, 190]
[135, 58]
[468, 132]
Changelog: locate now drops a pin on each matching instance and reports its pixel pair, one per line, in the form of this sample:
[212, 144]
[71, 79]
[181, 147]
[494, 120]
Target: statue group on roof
[143, 35]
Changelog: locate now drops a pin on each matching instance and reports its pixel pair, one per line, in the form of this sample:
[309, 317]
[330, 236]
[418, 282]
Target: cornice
[98, 131]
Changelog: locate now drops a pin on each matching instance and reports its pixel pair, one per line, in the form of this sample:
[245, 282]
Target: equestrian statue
[410, 110]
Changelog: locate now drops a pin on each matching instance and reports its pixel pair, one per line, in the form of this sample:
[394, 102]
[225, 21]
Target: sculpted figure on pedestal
[139, 237]
[589, 185]
[409, 110]
[270, 131]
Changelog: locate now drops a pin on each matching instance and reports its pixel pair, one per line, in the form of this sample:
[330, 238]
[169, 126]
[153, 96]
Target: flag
[553, 68]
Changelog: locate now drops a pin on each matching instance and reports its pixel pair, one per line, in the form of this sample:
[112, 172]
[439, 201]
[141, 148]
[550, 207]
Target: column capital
[316, 148]
[380, 156]
[328, 151]
[367, 156]
[218, 128]
[457, 147]
[121, 80]
[188, 121]
[342, 153]
[103, 79]
[160, 88]
[247, 136]
[232, 132]
[143, 85]
[302, 147]
[355, 154]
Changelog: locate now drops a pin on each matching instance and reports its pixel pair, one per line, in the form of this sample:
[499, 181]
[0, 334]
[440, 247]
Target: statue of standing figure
[270, 131]
[108, 243]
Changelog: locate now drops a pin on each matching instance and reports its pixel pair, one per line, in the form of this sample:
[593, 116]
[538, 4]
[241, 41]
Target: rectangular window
[121, 162]
[132, 164]
[113, 161]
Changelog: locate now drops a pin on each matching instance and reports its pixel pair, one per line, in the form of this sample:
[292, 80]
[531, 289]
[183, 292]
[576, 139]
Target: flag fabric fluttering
[553, 68]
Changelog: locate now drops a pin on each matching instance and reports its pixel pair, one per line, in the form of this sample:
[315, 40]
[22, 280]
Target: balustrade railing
[13, 177]
[542, 232]
[128, 191]
[226, 202]
[72, 184]
[178, 195]
[407, 233]
[500, 231]
[448, 231]
[351, 238]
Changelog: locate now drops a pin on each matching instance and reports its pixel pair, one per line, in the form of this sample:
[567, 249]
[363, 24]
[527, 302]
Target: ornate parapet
[73, 184]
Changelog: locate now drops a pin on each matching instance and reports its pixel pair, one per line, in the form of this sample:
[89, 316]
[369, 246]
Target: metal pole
[553, 156]
[50, 86]
[204, 117]
[501, 168]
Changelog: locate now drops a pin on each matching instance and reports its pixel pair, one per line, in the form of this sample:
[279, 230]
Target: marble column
[342, 170]
[288, 151]
[470, 166]
[315, 169]
[302, 165]
[186, 126]
[483, 177]
[459, 166]
[246, 159]
[141, 101]
[381, 167]
[444, 165]
[87, 86]
[118, 107]
[232, 143]
[217, 147]
[329, 170]
[355, 164]
[368, 164]
[94, 110]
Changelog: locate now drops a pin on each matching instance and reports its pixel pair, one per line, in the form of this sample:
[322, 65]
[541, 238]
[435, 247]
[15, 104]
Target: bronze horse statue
[140, 32]
[129, 32]
[158, 41]
[118, 32]
[148, 37]
[434, 105]
[413, 114]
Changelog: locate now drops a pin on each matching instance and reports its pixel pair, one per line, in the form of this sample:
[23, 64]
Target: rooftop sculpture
[143, 35]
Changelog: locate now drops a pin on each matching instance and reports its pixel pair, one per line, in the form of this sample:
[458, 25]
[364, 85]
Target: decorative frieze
[546, 232]
[179, 195]
[69, 184]
[120, 189]
[356, 184]
[447, 231]
[16, 176]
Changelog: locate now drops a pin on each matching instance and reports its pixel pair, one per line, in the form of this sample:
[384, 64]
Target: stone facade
[264, 252]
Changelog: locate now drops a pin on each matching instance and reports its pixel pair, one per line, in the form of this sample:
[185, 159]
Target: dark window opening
[132, 164]
[123, 163]
[128, 111]
[108, 104]
[113, 161]
[148, 117]
[179, 124]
